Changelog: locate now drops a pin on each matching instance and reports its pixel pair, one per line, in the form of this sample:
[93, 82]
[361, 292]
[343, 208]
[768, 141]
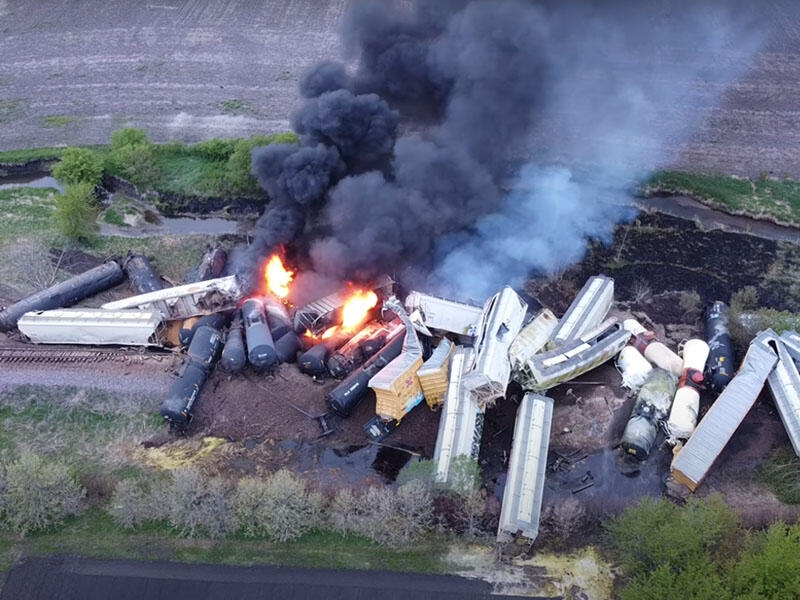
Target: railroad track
[65, 356]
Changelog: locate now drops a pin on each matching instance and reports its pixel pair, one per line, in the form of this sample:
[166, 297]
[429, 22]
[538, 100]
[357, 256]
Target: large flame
[357, 307]
[277, 276]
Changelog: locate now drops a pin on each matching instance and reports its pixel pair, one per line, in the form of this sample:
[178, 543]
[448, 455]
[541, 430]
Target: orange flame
[357, 307]
[277, 276]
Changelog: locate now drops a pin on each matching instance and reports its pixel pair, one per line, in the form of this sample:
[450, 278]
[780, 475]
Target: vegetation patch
[24, 156]
[233, 106]
[781, 473]
[56, 121]
[12, 109]
[773, 199]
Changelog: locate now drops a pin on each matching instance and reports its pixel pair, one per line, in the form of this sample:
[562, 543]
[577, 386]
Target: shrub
[137, 163]
[79, 165]
[39, 494]
[770, 566]
[238, 176]
[198, 507]
[76, 213]
[280, 507]
[387, 517]
[130, 136]
[214, 149]
[130, 504]
[655, 532]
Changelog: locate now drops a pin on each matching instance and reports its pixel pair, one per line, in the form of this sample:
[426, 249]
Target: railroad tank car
[287, 347]
[218, 321]
[345, 397]
[314, 360]
[651, 407]
[720, 364]
[277, 318]
[211, 266]
[234, 353]
[178, 406]
[260, 345]
[65, 293]
[686, 405]
[358, 349]
[142, 276]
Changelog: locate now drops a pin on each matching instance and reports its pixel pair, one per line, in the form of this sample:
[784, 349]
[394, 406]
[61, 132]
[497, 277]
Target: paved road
[82, 579]
[72, 72]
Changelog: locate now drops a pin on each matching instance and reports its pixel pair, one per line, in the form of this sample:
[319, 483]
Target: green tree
[698, 580]
[238, 176]
[654, 533]
[79, 165]
[769, 568]
[133, 157]
[76, 213]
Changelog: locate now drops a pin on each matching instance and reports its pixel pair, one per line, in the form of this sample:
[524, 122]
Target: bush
[656, 532]
[238, 175]
[137, 163]
[131, 504]
[198, 507]
[280, 507]
[770, 566]
[79, 165]
[130, 136]
[387, 517]
[214, 149]
[76, 213]
[39, 494]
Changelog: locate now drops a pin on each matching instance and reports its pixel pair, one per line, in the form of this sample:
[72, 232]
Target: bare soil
[195, 69]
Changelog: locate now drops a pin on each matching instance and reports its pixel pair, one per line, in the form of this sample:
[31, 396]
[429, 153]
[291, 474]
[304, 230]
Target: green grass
[778, 200]
[233, 106]
[191, 175]
[12, 109]
[781, 473]
[112, 217]
[95, 535]
[92, 430]
[27, 212]
[23, 156]
[56, 121]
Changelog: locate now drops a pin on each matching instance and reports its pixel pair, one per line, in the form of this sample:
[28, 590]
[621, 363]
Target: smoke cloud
[529, 125]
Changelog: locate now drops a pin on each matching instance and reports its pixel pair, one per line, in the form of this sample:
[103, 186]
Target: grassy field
[775, 199]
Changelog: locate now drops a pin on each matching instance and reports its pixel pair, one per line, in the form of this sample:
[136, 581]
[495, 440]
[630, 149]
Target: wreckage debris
[66, 293]
[184, 301]
[346, 396]
[431, 314]
[549, 369]
[461, 421]
[692, 462]
[501, 321]
[527, 465]
[634, 368]
[211, 266]
[588, 309]
[720, 365]
[359, 348]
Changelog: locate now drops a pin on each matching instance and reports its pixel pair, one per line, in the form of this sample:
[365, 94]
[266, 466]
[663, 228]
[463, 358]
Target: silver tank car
[234, 355]
[720, 363]
[651, 406]
[260, 346]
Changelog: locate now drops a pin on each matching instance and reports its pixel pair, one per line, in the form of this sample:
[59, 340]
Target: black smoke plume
[528, 125]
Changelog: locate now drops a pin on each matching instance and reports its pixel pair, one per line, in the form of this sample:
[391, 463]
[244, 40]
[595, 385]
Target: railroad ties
[63, 356]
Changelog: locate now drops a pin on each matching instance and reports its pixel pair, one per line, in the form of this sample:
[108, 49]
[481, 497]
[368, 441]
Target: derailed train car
[260, 345]
[178, 407]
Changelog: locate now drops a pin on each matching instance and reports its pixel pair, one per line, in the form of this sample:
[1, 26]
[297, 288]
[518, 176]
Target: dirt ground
[194, 69]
